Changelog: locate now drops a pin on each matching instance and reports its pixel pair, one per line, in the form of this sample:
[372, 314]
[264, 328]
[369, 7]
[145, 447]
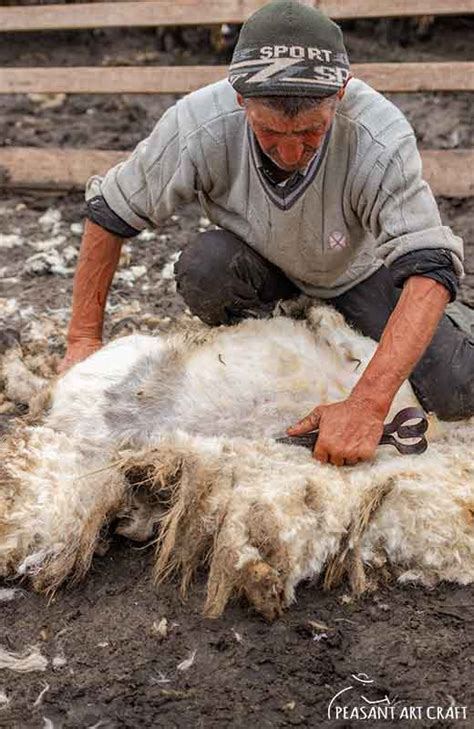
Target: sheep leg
[248, 559]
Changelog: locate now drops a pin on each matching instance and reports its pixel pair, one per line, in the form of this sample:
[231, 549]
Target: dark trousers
[223, 281]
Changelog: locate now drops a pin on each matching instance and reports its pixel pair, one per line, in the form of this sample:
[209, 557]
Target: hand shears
[393, 433]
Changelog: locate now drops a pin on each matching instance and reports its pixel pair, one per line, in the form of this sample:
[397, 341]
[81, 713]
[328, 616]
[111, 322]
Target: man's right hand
[78, 351]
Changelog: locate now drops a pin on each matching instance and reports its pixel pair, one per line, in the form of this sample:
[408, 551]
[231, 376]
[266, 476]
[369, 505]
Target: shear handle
[416, 430]
[405, 449]
[407, 431]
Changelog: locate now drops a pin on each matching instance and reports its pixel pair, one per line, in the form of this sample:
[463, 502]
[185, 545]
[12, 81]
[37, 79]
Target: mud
[416, 646]
[108, 666]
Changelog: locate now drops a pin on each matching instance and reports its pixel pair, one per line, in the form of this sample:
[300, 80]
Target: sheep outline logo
[383, 709]
[337, 240]
[365, 681]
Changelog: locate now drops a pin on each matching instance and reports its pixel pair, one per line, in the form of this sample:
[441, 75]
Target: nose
[290, 150]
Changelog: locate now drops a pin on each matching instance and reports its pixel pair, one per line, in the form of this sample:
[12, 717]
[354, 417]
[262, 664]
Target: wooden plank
[413, 77]
[194, 12]
[406, 77]
[448, 172]
[50, 169]
[109, 80]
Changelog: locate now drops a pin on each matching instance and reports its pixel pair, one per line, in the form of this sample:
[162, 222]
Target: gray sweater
[361, 203]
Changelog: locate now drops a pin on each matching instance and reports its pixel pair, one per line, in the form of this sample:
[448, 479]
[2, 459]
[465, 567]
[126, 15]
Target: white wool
[187, 663]
[79, 398]
[23, 662]
[57, 495]
[22, 385]
[4, 700]
[10, 241]
[202, 408]
[8, 307]
[51, 219]
[40, 696]
[252, 380]
[8, 594]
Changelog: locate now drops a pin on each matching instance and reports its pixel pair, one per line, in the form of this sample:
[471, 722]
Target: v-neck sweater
[362, 202]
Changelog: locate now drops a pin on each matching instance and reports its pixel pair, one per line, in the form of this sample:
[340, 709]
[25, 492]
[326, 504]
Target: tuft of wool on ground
[171, 438]
[25, 662]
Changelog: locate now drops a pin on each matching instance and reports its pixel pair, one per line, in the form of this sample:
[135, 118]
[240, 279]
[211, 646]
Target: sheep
[172, 438]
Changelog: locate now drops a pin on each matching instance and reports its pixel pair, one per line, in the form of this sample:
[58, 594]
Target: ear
[240, 100]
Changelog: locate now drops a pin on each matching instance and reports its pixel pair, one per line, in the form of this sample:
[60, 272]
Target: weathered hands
[349, 431]
[77, 351]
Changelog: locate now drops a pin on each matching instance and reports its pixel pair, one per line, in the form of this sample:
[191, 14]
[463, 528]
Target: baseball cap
[289, 49]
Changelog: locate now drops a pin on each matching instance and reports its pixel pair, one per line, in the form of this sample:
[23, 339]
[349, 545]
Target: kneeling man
[314, 182]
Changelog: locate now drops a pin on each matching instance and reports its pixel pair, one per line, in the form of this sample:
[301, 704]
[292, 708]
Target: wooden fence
[393, 77]
[153, 13]
[450, 173]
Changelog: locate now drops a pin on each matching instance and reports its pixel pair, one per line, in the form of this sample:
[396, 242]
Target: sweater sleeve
[397, 206]
[156, 178]
[436, 264]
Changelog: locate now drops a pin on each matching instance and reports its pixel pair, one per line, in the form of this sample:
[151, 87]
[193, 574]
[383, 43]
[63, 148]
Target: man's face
[290, 142]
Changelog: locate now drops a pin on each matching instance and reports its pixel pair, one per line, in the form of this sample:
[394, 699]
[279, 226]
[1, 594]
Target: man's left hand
[349, 431]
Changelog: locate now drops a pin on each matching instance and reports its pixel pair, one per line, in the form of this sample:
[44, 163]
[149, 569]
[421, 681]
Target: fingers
[78, 352]
[64, 366]
[346, 435]
[324, 455]
[325, 452]
[68, 362]
[336, 459]
[307, 424]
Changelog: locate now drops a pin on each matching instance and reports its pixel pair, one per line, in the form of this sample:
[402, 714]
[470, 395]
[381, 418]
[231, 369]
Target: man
[314, 182]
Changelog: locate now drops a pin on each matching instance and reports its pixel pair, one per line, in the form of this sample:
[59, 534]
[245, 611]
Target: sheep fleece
[172, 438]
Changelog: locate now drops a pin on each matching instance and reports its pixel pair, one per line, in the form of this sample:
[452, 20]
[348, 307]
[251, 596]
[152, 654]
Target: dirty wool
[171, 439]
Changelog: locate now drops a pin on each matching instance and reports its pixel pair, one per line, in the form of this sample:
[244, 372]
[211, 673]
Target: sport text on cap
[289, 49]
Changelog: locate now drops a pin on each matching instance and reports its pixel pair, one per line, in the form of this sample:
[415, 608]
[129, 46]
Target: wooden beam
[390, 77]
[413, 77]
[194, 12]
[448, 172]
[51, 169]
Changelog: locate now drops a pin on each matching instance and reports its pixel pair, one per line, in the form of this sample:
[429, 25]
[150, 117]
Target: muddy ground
[107, 666]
